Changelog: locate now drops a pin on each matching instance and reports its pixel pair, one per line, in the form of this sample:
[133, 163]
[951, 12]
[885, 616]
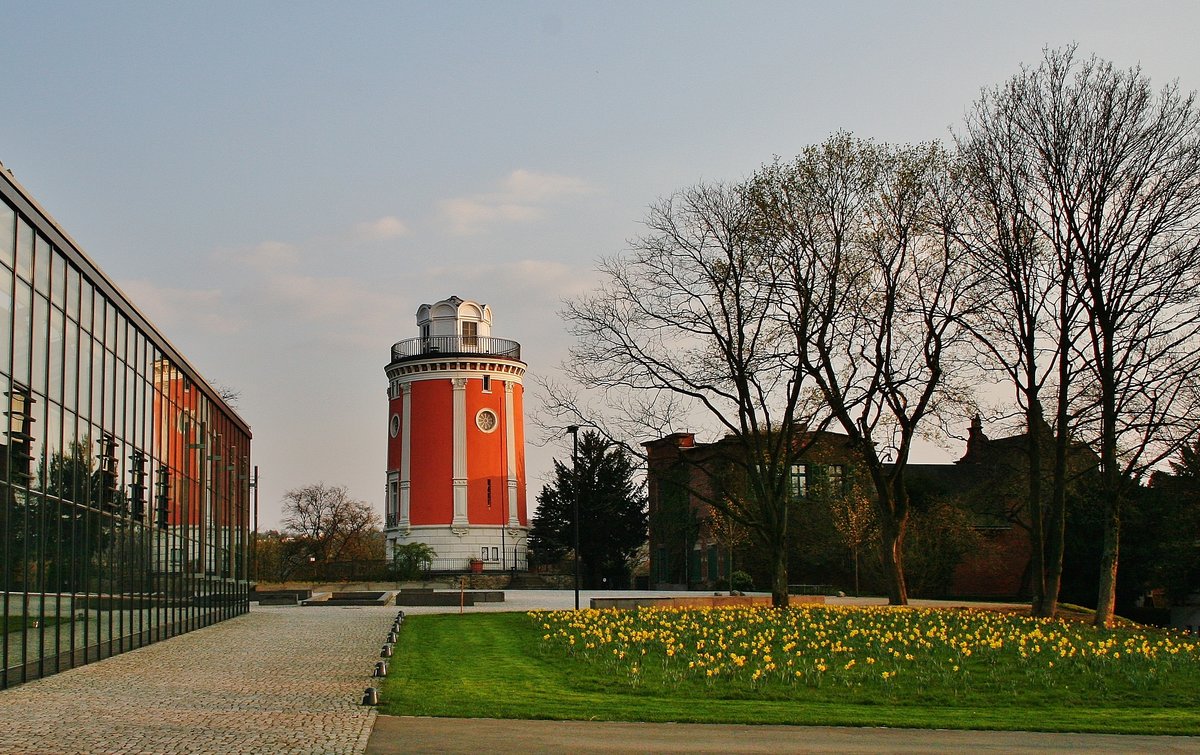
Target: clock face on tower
[486, 420]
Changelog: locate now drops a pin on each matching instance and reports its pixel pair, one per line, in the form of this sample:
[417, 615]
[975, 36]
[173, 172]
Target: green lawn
[512, 665]
[16, 623]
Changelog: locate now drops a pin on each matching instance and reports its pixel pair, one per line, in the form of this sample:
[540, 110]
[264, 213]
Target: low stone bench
[434, 598]
[280, 597]
[811, 590]
[352, 598]
[699, 601]
[448, 597]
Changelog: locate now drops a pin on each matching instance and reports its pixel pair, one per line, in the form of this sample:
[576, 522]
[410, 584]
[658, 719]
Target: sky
[279, 186]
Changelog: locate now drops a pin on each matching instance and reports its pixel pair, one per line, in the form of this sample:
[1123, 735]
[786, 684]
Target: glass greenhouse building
[125, 479]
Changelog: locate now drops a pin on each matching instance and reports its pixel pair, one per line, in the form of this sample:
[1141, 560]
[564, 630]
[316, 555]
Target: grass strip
[18, 623]
[499, 666]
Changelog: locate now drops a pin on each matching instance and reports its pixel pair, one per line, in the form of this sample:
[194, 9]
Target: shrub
[741, 581]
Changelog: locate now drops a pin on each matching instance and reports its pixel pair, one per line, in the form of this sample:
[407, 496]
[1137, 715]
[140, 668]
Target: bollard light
[370, 696]
[386, 652]
[391, 636]
[381, 668]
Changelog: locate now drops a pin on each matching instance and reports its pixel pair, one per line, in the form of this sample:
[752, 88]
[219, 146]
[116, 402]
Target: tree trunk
[892, 509]
[1111, 481]
[1107, 597]
[891, 535]
[856, 592]
[779, 577]
[1037, 542]
[1056, 520]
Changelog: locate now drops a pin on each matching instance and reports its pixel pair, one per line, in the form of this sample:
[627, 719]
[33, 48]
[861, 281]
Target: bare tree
[1113, 168]
[332, 525]
[1025, 317]
[228, 394]
[869, 294]
[688, 320]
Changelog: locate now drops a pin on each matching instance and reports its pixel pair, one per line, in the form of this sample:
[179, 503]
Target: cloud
[265, 257]
[318, 299]
[522, 198]
[467, 216]
[544, 279]
[271, 285]
[385, 228]
[337, 311]
[174, 308]
[541, 187]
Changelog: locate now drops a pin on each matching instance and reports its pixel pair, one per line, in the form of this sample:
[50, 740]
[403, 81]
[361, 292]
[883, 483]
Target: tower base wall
[505, 546]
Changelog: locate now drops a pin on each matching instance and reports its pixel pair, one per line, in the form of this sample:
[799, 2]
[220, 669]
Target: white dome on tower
[449, 316]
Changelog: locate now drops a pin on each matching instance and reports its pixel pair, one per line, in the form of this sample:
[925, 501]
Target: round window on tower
[394, 425]
[486, 419]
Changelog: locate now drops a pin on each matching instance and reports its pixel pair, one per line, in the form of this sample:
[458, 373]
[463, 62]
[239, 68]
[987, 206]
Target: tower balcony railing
[421, 348]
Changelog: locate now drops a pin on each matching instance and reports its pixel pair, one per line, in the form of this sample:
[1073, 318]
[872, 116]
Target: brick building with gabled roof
[986, 489]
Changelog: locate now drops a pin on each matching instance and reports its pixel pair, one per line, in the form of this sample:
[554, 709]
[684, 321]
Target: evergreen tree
[612, 514]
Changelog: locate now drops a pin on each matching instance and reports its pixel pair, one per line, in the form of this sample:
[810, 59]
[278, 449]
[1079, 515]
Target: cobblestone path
[276, 680]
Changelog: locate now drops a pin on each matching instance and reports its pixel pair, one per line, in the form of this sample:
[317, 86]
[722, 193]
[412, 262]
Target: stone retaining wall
[700, 601]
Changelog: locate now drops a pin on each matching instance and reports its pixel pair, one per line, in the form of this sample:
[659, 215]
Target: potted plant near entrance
[476, 566]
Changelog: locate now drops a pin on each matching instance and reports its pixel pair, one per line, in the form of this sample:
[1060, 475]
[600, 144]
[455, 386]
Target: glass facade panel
[96, 401]
[110, 325]
[22, 331]
[71, 372]
[54, 367]
[6, 319]
[41, 265]
[24, 248]
[40, 344]
[8, 229]
[72, 302]
[58, 280]
[124, 484]
[85, 304]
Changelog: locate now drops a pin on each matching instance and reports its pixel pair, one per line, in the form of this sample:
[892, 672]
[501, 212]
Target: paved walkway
[276, 680]
[396, 734]
[290, 680]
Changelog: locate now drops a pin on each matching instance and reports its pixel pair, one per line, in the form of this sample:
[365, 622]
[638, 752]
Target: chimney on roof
[975, 440]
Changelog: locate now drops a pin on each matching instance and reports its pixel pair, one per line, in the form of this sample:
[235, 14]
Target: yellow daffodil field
[786, 652]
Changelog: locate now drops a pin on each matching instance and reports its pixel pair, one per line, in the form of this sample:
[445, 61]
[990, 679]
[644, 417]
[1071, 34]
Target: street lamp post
[574, 431]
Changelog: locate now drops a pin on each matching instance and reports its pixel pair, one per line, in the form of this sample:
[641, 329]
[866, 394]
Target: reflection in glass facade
[124, 479]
